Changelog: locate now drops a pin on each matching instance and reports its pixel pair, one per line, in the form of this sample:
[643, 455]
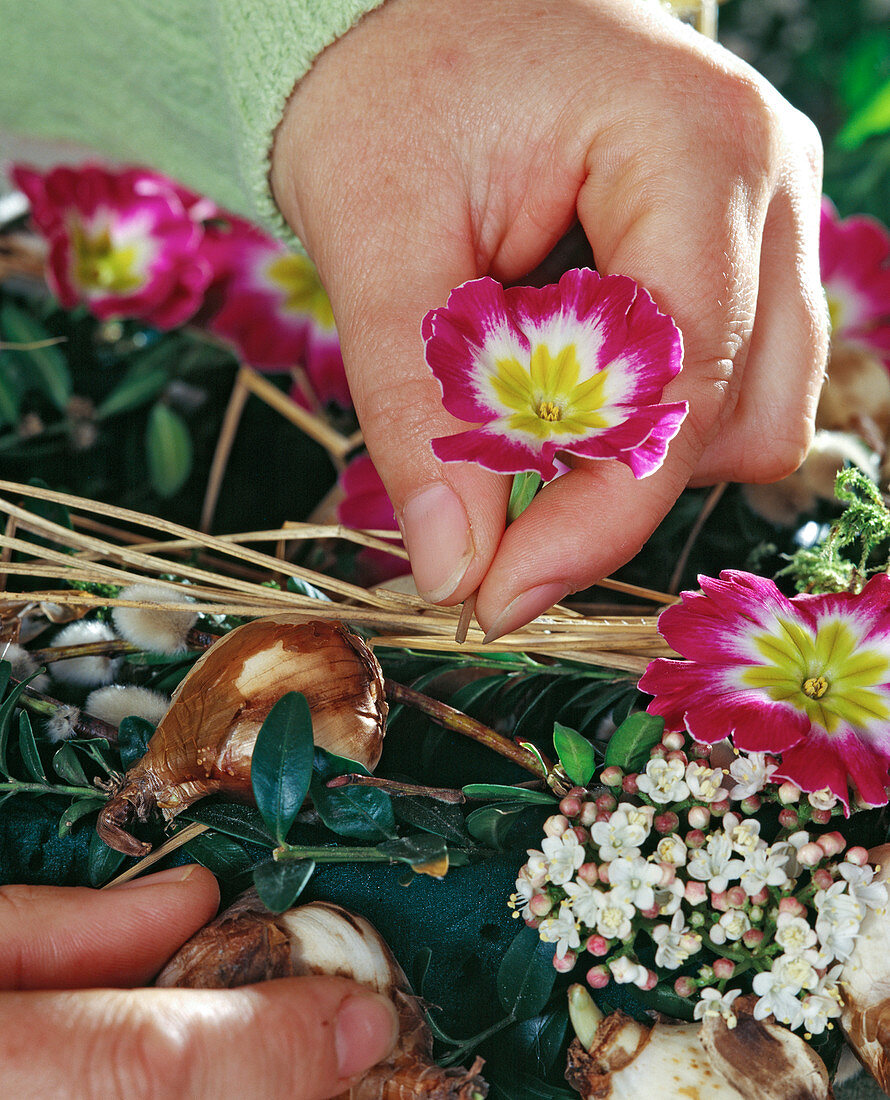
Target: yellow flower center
[101, 265]
[303, 293]
[549, 397]
[835, 311]
[828, 674]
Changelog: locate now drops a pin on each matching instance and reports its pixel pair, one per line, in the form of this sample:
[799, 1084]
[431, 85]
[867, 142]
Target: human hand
[62, 1035]
[439, 141]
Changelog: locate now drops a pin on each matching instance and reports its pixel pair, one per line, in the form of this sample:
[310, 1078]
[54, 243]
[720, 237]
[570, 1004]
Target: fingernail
[160, 878]
[438, 539]
[527, 606]
[366, 1030]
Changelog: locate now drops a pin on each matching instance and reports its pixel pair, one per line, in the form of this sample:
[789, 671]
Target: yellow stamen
[549, 410]
[815, 687]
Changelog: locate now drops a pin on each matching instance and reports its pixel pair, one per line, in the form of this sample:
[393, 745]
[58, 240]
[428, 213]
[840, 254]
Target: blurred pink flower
[274, 310]
[854, 256]
[577, 367]
[366, 506]
[125, 242]
[807, 677]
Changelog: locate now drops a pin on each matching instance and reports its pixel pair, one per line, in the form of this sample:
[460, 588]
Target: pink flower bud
[695, 838]
[566, 963]
[857, 856]
[650, 982]
[629, 784]
[666, 822]
[603, 815]
[755, 913]
[792, 906]
[673, 741]
[823, 878]
[556, 825]
[719, 902]
[696, 892]
[761, 897]
[751, 804]
[532, 922]
[724, 968]
[576, 792]
[603, 871]
[598, 945]
[540, 905]
[570, 806]
[736, 896]
[581, 833]
[700, 752]
[588, 814]
[658, 751]
[699, 816]
[649, 914]
[718, 809]
[789, 792]
[684, 986]
[752, 938]
[611, 776]
[831, 843]
[598, 977]
[588, 873]
[810, 855]
[821, 817]
[788, 818]
[606, 802]
[678, 754]
[668, 874]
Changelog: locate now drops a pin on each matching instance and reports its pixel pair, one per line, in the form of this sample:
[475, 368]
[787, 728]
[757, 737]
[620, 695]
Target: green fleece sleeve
[193, 88]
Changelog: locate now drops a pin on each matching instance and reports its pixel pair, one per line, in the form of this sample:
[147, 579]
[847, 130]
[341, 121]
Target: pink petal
[495, 451]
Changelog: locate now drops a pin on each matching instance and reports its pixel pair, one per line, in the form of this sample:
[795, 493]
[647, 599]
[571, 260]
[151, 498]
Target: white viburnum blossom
[621, 835]
[743, 833]
[586, 901]
[525, 891]
[663, 781]
[794, 935]
[838, 917]
[824, 1003]
[668, 898]
[715, 1003]
[615, 916]
[862, 887]
[705, 784]
[751, 774]
[671, 849]
[735, 923]
[714, 863]
[779, 989]
[536, 868]
[635, 879]
[561, 930]
[765, 867]
[625, 970]
[825, 799]
[565, 854]
[676, 942]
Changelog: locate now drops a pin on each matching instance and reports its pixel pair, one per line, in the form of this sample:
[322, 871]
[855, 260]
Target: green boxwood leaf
[499, 792]
[137, 388]
[45, 367]
[526, 975]
[243, 822]
[490, 824]
[102, 861]
[281, 766]
[78, 809]
[522, 493]
[363, 813]
[872, 118]
[218, 853]
[6, 710]
[631, 743]
[280, 884]
[576, 754]
[133, 736]
[442, 818]
[418, 851]
[67, 766]
[28, 749]
[168, 446]
[11, 389]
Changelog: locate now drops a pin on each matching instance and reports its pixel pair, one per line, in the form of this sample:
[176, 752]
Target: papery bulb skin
[248, 944]
[204, 743]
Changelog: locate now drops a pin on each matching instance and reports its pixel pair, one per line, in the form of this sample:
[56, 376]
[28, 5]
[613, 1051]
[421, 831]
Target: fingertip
[366, 1030]
[439, 540]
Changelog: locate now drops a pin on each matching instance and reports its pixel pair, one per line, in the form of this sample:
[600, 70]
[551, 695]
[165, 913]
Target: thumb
[294, 1038]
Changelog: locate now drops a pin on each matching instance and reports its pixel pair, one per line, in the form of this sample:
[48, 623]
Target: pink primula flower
[807, 677]
[274, 309]
[854, 256]
[576, 367]
[124, 242]
[366, 506]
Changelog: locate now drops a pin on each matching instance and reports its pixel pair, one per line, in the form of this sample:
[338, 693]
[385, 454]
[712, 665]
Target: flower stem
[331, 854]
[17, 787]
[462, 723]
[82, 724]
[391, 786]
